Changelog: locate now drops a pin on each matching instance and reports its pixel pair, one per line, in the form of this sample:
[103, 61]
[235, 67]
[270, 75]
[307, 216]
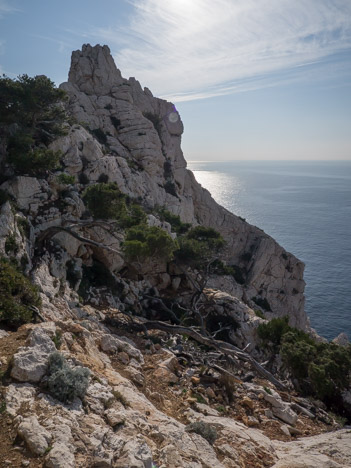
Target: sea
[306, 207]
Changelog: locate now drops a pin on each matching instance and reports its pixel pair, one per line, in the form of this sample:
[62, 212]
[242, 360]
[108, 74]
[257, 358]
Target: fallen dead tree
[142, 324]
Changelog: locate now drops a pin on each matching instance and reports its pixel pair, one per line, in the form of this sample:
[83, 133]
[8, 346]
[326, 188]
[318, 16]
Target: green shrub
[322, 369]
[66, 179]
[65, 383]
[174, 220]
[208, 235]
[11, 246]
[33, 103]
[200, 245]
[273, 330]
[27, 158]
[259, 313]
[143, 242]
[105, 201]
[35, 106]
[133, 216]
[205, 430]
[23, 226]
[17, 295]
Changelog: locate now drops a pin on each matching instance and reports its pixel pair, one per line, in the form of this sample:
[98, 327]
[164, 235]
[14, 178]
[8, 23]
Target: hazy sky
[252, 79]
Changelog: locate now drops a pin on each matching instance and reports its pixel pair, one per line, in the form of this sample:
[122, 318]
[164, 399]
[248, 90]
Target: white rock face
[30, 363]
[112, 344]
[331, 450]
[29, 192]
[36, 436]
[60, 457]
[143, 136]
[135, 453]
[280, 409]
[16, 395]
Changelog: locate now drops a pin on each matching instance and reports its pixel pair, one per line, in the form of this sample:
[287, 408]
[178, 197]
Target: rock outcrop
[142, 153]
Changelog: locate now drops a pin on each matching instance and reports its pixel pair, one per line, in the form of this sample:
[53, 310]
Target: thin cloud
[193, 49]
[5, 8]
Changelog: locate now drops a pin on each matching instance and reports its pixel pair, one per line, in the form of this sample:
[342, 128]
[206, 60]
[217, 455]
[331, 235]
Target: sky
[251, 79]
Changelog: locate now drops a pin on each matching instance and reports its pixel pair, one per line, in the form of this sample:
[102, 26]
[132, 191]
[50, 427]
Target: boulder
[30, 363]
[36, 436]
[136, 453]
[60, 456]
[111, 344]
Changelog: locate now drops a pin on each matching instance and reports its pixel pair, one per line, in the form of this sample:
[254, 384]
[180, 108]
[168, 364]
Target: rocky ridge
[144, 392]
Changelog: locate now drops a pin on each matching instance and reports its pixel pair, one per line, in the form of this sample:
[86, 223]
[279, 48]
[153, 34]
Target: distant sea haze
[306, 207]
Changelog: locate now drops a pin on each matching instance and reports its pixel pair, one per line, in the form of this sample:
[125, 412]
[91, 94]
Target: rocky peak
[94, 71]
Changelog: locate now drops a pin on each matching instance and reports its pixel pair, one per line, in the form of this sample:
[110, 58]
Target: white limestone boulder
[30, 363]
[36, 436]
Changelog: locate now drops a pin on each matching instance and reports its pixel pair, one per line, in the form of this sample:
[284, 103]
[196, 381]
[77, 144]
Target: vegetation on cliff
[32, 115]
[320, 369]
[17, 295]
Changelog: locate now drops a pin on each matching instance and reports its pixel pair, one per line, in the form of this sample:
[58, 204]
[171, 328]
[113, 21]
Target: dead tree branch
[51, 231]
[226, 348]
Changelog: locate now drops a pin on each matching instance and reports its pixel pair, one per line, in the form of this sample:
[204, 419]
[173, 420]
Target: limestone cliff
[142, 153]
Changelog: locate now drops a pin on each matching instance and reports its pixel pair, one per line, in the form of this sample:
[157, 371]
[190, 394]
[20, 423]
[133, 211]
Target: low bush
[11, 246]
[322, 370]
[274, 330]
[27, 158]
[205, 430]
[103, 179]
[174, 220]
[23, 226]
[66, 179]
[259, 313]
[65, 383]
[106, 201]
[199, 246]
[143, 242]
[17, 295]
